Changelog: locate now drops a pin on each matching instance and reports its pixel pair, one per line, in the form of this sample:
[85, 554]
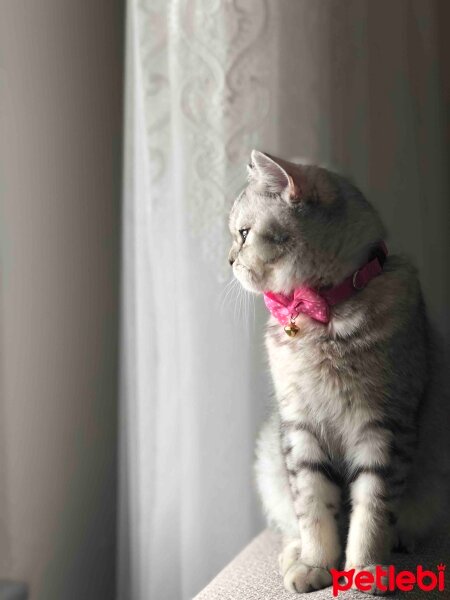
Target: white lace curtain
[353, 83]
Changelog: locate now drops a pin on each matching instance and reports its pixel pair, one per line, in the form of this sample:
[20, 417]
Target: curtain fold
[352, 84]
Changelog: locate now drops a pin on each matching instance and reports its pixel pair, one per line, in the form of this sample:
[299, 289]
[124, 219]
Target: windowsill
[253, 574]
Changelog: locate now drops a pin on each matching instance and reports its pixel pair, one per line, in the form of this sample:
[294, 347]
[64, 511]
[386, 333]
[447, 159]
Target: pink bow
[303, 300]
[307, 301]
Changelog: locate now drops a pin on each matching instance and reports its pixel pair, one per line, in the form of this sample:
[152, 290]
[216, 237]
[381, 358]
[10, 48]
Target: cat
[359, 418]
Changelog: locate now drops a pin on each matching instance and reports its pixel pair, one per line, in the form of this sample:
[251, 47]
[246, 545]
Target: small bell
[291, 329]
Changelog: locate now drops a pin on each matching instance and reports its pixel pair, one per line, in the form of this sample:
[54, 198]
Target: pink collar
[316, 303]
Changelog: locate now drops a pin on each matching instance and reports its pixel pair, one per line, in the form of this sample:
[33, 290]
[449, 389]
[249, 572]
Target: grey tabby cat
[358, 410]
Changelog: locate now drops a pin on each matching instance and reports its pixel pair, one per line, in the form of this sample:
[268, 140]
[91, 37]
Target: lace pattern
[206, 84]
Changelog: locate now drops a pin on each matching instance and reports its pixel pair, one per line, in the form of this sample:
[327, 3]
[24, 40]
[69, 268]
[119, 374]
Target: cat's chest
[316, 373]
[304, 355]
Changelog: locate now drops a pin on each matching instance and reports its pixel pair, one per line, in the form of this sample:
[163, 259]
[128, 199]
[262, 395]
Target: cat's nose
[232, 256]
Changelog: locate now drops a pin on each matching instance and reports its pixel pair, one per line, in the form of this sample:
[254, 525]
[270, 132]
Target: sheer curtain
[354, 84]
[198, 97]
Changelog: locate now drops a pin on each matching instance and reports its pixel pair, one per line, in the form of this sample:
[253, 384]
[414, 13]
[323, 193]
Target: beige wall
[60, 145]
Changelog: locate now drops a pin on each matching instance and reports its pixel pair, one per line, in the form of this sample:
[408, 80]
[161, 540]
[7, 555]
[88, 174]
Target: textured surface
[253, 574]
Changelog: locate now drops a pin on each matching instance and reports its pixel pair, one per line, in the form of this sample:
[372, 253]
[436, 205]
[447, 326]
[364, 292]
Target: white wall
[60, 162]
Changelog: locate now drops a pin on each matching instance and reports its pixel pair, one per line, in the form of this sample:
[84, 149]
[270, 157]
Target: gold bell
[291, 329]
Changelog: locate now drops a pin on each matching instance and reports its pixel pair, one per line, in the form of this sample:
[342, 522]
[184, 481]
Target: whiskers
[241, 303]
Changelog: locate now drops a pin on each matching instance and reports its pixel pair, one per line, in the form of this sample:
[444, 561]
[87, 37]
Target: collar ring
[355, 281]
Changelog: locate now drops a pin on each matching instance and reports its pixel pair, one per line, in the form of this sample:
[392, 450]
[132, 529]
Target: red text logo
[388, 579]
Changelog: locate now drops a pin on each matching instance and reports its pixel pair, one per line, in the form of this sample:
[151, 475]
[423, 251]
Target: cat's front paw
[289, 555]
[375, 583]
[303, 578]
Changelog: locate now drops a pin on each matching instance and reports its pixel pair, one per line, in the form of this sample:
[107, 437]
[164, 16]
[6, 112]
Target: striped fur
[360, 413]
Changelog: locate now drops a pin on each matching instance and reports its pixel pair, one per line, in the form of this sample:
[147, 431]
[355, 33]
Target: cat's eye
[244, 234]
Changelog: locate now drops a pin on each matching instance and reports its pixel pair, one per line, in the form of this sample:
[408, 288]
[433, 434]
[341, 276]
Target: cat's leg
[316, 500]
[369, 536]
[275, 492]
[378, 472]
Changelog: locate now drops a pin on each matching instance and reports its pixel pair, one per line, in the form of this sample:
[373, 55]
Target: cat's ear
[273, 175]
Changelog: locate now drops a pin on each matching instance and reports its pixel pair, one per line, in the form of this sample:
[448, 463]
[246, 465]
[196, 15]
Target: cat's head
[298, 225]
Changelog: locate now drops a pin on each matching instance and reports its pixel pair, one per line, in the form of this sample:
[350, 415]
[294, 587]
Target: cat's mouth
[247, 278]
